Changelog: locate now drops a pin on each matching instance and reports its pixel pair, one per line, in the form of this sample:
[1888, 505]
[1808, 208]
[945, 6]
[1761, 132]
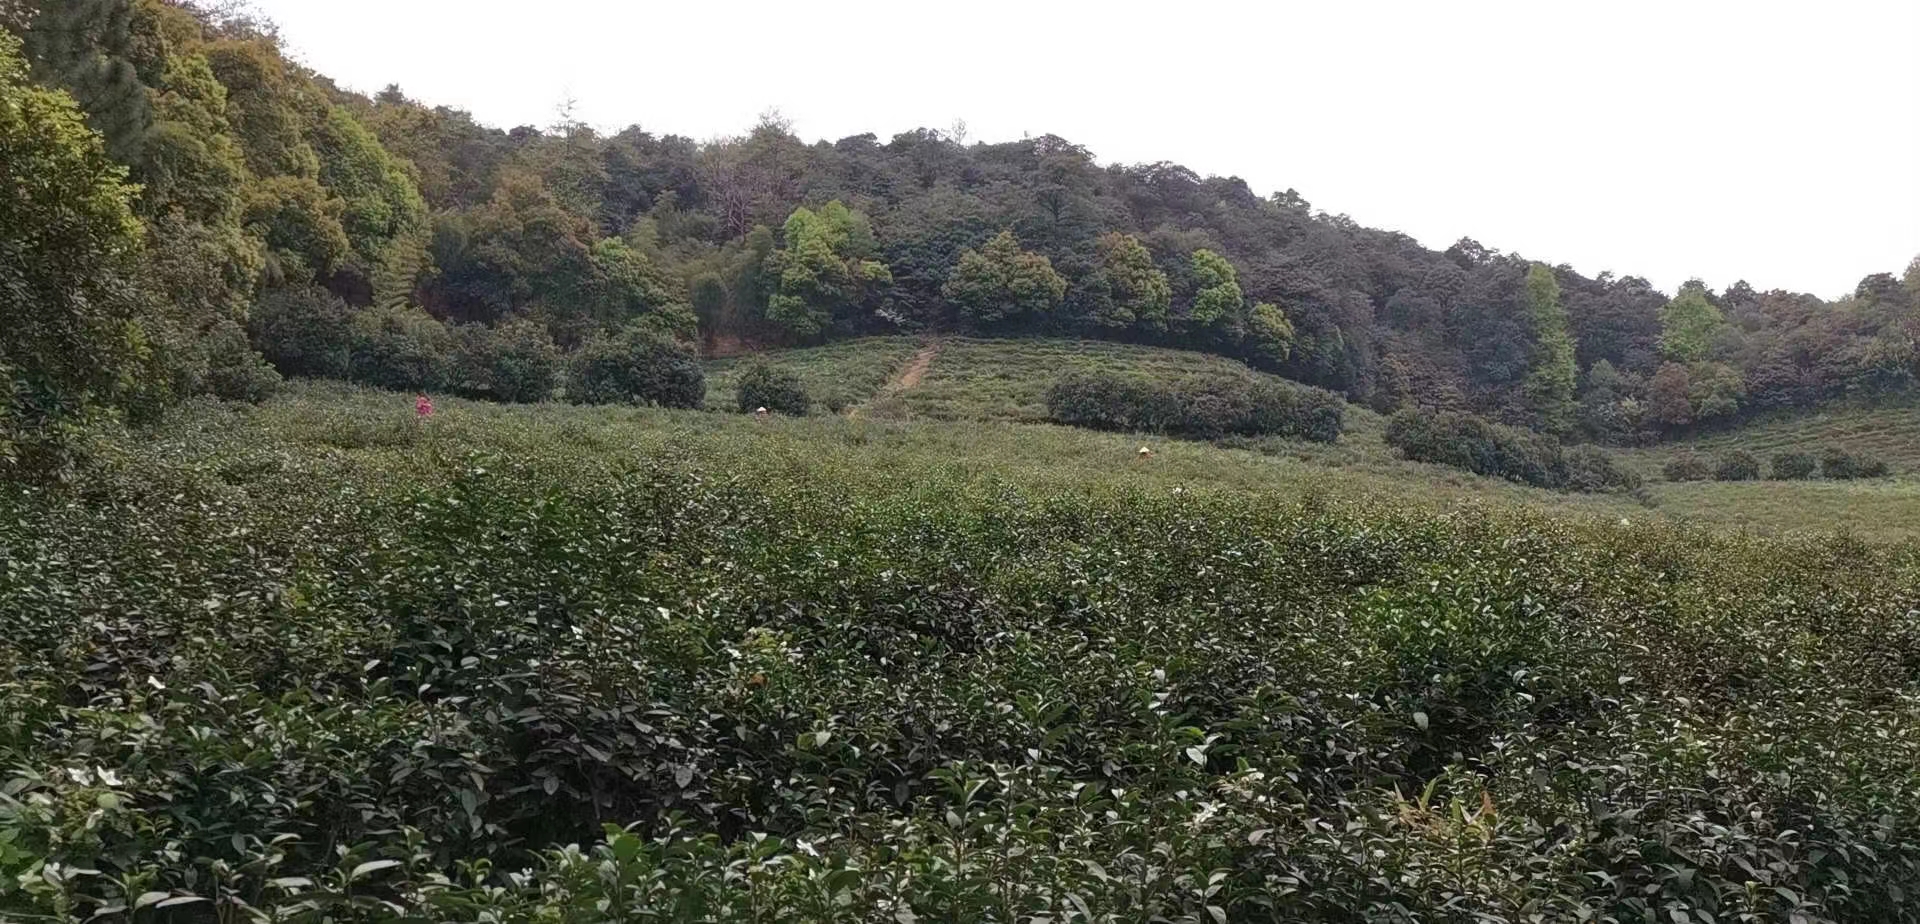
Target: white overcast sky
[1777, 142]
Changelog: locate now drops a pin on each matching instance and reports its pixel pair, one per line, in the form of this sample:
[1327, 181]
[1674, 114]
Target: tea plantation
[320, 661]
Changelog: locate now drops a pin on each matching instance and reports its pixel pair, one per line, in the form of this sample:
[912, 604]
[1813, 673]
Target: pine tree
[84, 47]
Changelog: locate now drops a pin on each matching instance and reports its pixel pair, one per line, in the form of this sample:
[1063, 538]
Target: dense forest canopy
[370, 236]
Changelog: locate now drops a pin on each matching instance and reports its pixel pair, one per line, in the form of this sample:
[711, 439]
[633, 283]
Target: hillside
[1006, 381]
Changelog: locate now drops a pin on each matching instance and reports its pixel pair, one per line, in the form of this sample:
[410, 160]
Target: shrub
[1475, 444]
[1592, 470]
[400, 348]
[515, 362]
[1738, 465]
[774, 389]
[1792, 465]
[1485, 448]
[1839, 464]
[1196, 408]
[234, 371]
[636, 366]
[305, 332]
[1687, 467]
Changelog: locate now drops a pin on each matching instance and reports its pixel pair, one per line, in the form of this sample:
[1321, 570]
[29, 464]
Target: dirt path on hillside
[905, 380]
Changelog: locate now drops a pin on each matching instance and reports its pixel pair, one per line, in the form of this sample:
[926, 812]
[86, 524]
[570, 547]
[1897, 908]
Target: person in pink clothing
[422, 406]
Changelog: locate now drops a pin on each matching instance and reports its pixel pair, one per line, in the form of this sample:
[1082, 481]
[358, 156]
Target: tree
[1548, 389]
[1688, 323]
[79, 335]
[1670, 397]
[85, 47]
[1217, 300]
[1269, 339]
[823, 272]
[1000, 283]
[1126, 289]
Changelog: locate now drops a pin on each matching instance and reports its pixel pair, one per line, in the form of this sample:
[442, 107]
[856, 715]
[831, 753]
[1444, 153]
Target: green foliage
[776, 390]
[1485, 448]
[305, 332]
[823, 273]
[515, 362]
[1687, 466]
[234, 370]
[1548, 389]
[1839, 464]
[1688, 324]
[1269, 337]
[1001, 284]
[1217, 299]
[381, 210]
[1792, 465]
[1126, 288]
[400, 348]
[78, 332]
[300, 223]
[1197, 408]
[332, 662]
[1738, 465]
[635, 366]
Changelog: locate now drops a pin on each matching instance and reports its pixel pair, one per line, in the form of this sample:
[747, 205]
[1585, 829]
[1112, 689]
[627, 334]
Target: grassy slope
[1891, 433]
[1005, 381]
[843, 373]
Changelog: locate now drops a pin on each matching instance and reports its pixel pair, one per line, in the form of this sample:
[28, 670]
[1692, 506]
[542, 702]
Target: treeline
[246, 176]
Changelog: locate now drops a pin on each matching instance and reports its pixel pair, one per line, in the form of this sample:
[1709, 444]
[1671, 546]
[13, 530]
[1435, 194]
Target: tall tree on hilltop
[1688, 323]
[1548, 389]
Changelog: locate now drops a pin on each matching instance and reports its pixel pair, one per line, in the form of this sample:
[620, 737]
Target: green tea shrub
[234, 370]
[277, 671]
[1477, 445]
[515, 362]
[1592, 470]
[304, 332]
[636, 366]
[1839, 464]
[1737, 465]
[776, 390]
[404, 349]
[1792, 465]
[1197, 408]
[1687, 466]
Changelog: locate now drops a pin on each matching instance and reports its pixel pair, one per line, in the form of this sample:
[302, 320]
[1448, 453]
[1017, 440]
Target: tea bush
[1737, 465]
[250, 673]
[1792, 465]
[515, 362]
[774, 389]
[1840, 464]
[1687, 466]
[636, 366]
[1198, 408]
[1480, 446]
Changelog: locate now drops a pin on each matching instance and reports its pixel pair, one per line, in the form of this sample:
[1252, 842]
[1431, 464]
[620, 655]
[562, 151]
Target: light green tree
[823, 271]
[1001, 283]
[1548, 390]
[1688, 323]
[1217, 300]
[1137, 292]
[1269, 337]
[78, 332]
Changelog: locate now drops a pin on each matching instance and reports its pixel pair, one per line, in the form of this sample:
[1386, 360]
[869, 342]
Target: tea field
[319, 661]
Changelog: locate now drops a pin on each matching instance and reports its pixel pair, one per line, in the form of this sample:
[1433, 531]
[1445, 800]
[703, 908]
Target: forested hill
[273, 202]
